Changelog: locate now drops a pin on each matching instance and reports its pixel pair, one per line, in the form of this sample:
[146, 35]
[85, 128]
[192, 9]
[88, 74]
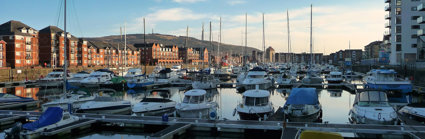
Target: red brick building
[21, 44]
[154, 53]
[2, 54]
[82, 51]
[51, 42]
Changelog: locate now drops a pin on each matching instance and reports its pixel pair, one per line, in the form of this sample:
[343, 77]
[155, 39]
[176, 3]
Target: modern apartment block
[21, 44]
[155, 53]
[403, 26]
[51, 42]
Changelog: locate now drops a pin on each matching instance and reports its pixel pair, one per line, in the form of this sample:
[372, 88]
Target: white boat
[205, 81]
[106, 105]
[78, 77]
[335, 77]
[224, 74]
[166, 76]
[195, 105]
[285, 80]
[303, 105]
[98, 77]
[256, 76]
[415, 110]
[133, 73]
[372, 107]
[384, 79]
[52, 118]
[312, 78]
[255, 105]
[139, 82]
[54, 78]
[75, 99]
[176, 68]
[156, 104]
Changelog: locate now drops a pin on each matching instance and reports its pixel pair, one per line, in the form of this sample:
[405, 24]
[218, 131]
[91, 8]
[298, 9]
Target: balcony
[387, 33]
[28, 57]
[421, 20]
[387, 42]
[388, 8]
[387, 16]
[387, 1]
[421, 32]
[388, 25]
[421, 7]
[28, 50]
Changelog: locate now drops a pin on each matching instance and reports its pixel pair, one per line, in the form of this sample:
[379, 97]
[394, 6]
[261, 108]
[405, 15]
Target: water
[336, 104]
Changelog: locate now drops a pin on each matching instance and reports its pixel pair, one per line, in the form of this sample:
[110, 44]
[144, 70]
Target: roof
[13, 27]
[139, 45]
[195, 92]
[104, 45]
[256, 93]
[303, 96]
[55, 29]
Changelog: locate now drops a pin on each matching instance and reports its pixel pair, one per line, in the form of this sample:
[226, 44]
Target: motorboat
[273, 71]
[224, 74]
[312, 78]
[334, 77]
[98, 77]
[255, 105]
[52, 79]
[77, 78]
[285, 80]
[303, 105]
[75, 99]
[176, 68]
[133, 73]
[155, 105]
[166, 76]
[139, 82]
[372, 107]
[384, 79]
[9, 98]
[53, 117]
[414, 110]
[106, 105]
[205, 81]
[256, 76]
[195, 105]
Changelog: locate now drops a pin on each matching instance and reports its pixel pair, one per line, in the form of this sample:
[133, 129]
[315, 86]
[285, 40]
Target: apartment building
[155, 53]
[270, 54]
[2, 54]
[21, 44]
[403, 30]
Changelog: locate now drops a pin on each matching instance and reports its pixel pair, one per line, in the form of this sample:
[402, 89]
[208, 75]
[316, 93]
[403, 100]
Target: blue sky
[335, 22]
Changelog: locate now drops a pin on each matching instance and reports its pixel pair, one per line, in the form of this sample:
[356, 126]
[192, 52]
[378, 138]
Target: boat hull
[253, 116]
[117, 109]
[403, 88]
[194, 113]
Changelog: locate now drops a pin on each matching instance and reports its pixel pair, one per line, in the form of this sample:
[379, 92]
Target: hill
[174, 40]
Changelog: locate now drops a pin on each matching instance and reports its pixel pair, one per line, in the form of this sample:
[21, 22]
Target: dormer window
[23, 30]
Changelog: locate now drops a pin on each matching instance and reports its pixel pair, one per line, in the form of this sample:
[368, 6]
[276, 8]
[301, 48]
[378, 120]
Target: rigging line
[59, 13]
[77, 19]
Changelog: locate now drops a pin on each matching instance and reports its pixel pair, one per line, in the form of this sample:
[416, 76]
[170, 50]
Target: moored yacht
[256, 76]
[76, 99]
[78, 77]
[195, 105]
[139, 82]
[205, 81]
[255, 105]
[133, 73]
[98, 77]
[285, 80]
[384, 79]
[224, 74]
[106, 105]
[414, 110]
[372, 107]
[166, 76]
[52, 118]
[154, 104]
[335, 77]
[54, 78]
[303, 105]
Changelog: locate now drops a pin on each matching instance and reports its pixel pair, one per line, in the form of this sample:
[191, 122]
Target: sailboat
[286, 79]
[312, 77]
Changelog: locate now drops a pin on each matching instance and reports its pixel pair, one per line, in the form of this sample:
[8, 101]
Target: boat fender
[165, 117]
[234, 112]
[213, 115]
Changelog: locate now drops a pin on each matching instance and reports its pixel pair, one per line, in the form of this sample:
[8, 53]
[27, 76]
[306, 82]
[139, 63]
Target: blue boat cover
[50, 116]
[303, 96]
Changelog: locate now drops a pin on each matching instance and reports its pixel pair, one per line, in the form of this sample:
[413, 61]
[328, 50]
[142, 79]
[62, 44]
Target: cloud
[188, 1]
[173, 14]
[235, 2]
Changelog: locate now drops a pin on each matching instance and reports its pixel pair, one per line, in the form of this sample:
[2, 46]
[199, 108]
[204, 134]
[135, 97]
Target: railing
[28, 57]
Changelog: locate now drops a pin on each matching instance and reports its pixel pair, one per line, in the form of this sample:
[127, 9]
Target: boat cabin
[371, 99]
[256, 98]
[194, 96]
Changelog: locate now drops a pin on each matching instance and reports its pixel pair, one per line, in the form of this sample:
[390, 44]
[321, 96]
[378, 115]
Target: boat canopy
[195, 92]
[372, 96]
[303, 96]
[257, 69]
[166, 70]
[51, 116]
[256, 93]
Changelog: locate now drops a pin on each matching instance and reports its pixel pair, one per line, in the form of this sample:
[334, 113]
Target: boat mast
[264, 42]
[289, 38]
[144, 40]
[210, 43]
[65, 68]
[246, 39]
[311, 35]
[125, 46]
[218, 46]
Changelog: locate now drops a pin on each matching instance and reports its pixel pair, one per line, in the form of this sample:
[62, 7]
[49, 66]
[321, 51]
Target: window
[398, 20]
[398, 38]
[18, 53]
[18, 61]
[414, 8]
[398, 29]
[414, 36]
[414, 45]
[398, 47]
[398, 11]
[415, 26]
[415, 17]
[398, 3]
